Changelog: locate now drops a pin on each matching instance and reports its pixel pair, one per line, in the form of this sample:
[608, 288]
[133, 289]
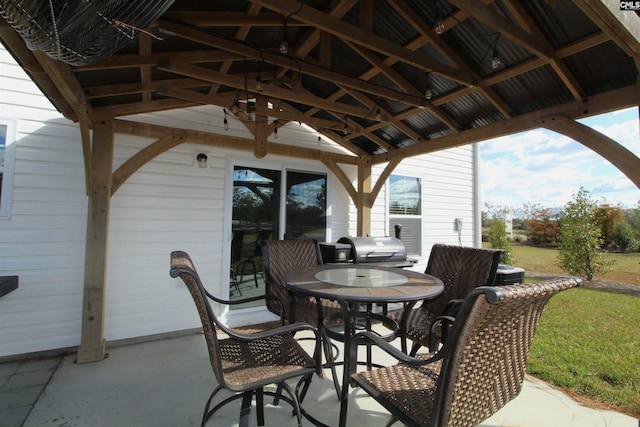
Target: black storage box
[509, 275]
[335, 252]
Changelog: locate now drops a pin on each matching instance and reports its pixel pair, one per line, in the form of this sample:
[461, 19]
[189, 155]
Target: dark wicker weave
[480, 367]
[245, 363]
[461, 269]
[281, 256]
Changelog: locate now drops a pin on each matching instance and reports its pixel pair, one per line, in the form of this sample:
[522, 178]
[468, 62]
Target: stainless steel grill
[385, 251]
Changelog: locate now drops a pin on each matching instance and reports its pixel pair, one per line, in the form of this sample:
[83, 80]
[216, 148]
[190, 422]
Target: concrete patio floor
[166, 383]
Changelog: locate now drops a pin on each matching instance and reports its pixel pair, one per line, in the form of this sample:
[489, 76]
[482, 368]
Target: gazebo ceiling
[382, 78]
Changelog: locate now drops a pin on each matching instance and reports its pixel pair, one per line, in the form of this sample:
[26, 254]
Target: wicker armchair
[281, 256]
[244, 363]
[461, 269]
[480, 367]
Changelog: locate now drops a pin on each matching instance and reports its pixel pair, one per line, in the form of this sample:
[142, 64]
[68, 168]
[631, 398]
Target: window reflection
[306, 205]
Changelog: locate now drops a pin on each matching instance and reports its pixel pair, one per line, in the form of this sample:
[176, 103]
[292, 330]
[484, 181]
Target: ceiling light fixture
[346, 126]
[235, 107]
[439, 25]
[378, 115]
[496, 62]
[428, 93]
[249, 112]
[284, 44]
[258, 82]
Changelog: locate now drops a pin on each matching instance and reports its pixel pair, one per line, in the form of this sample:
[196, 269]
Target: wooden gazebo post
[363, 196]
[92, 342]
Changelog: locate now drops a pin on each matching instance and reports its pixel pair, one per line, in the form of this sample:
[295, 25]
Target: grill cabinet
[383, 251]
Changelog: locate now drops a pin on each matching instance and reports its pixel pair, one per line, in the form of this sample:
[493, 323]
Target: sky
[547, 168]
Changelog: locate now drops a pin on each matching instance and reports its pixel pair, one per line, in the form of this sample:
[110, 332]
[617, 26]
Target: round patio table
[352, 285]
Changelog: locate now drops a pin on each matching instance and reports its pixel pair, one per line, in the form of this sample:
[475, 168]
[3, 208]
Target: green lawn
[588, 341]
[626, 269]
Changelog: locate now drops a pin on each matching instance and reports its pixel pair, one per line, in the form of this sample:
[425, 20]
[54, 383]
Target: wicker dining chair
[244, 363]
[461, 269]
[480, 367]
[281, 256]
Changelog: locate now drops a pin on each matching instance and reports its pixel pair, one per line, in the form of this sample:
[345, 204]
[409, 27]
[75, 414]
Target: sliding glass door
[306, 206]
[259, 212]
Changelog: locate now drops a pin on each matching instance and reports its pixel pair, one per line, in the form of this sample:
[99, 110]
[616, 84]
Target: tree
[624, 237]
[498, 233]
[580, 238]
[609, 217]
[541, 224]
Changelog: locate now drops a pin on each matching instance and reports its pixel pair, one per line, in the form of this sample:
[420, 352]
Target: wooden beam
[598, 104]
[367, 39]
[506, 28]
[92, 342]
[269, 90]
[262, 127]
[623, 27]
[142, 157]
[622, 158]
[363, 197]
[332, 165]
[225, 141]
[388, 170]
[283, 61]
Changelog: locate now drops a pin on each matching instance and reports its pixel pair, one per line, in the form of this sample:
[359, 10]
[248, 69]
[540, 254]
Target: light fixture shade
[202, 160]
[439, 27]
[284, 47]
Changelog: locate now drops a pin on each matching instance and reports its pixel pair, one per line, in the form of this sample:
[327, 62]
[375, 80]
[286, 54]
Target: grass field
[626, 269]
[588, 342]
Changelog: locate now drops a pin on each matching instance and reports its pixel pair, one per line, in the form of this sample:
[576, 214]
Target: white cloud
[548, 168]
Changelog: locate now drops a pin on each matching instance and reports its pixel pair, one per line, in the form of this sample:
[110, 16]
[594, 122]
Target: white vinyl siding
[169, 204]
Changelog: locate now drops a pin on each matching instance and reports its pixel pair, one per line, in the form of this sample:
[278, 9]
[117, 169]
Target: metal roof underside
[374, 76]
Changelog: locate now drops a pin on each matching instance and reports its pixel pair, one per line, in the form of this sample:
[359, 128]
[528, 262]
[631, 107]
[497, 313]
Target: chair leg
[254, 270]
[294, 400]
[245, 410]
[414, 349]
[276, 398]
[260, 406]
[206, 414]
[328, 354]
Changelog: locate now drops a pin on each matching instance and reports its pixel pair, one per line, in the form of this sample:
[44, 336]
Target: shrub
[623, 237]
[580, 239]
[498, 239]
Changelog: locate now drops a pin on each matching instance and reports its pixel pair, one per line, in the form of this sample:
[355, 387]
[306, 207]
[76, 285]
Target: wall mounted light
[202, 160]
[225, 121]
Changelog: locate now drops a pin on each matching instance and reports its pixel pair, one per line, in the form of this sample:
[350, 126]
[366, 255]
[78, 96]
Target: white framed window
[7, 160]
[405, 210]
